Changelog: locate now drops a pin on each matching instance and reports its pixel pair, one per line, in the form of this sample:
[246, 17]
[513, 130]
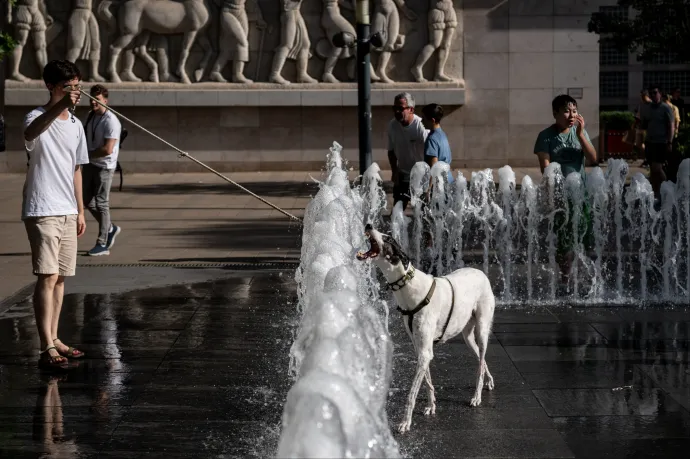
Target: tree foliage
[653, 28]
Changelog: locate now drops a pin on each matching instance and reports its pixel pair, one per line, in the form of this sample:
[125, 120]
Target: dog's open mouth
[374, 249]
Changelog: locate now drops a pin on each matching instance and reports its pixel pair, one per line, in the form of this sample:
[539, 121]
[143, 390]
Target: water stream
[341, 357]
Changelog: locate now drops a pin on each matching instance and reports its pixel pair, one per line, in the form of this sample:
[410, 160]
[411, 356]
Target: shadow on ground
[281, 189]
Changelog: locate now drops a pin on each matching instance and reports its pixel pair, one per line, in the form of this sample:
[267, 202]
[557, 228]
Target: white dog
[435, 309]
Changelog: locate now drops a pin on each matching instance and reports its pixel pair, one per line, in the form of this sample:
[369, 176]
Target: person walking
[658, 120]
[52, 205]
[103, 140]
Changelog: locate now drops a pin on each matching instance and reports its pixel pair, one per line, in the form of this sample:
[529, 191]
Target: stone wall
[507, 60]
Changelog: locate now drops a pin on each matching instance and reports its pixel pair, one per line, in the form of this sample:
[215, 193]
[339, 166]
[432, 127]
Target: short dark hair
[433, 111]
[98, 90]
[655, 86]
[60, 70]
[562, 101]
[644, 92]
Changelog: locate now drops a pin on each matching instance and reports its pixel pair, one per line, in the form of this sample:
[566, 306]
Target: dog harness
[425, 301]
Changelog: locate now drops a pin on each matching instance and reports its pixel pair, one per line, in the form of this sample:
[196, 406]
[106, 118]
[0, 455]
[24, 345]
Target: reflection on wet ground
[184, 371]
[200, 370]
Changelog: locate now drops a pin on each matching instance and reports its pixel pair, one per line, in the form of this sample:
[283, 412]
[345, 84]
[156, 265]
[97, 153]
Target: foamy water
[635, 252]
[342, 354]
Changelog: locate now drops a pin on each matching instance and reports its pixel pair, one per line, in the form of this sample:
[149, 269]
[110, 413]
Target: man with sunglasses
[658, 120]
[52, 208]
[406, 137]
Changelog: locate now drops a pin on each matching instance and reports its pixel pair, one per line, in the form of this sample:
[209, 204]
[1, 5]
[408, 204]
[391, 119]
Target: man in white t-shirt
[103, 139]
[406, 137]
[52, 207]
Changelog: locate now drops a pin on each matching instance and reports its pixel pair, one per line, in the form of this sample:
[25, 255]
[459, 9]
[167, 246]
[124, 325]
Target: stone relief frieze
[218, 40]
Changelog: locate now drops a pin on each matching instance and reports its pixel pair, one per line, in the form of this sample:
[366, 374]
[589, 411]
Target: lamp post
[363, 42]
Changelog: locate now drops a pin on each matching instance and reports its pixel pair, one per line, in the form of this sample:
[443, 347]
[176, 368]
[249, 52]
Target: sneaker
[114, 231]
[98, 250]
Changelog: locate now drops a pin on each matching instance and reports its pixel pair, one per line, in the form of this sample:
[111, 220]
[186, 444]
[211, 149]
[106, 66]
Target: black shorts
[656, 153]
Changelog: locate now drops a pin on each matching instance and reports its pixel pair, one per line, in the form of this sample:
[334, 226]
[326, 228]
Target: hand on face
[580, 124]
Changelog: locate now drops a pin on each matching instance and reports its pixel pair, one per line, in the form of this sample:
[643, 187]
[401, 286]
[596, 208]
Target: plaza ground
[187, 328]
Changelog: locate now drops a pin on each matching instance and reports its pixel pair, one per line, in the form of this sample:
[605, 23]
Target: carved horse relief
[140, 18]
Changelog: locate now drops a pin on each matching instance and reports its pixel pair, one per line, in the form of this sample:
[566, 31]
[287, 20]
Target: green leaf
[652, 29]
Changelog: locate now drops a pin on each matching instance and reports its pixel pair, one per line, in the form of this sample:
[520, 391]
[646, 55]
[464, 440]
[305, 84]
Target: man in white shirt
[52, 207]
[406, 137]
[103, 139]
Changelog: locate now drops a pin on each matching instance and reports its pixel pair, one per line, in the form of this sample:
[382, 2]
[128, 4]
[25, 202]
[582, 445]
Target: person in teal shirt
[567, 143]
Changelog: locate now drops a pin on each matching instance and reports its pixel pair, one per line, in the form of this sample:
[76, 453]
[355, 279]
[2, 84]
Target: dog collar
[400, 283]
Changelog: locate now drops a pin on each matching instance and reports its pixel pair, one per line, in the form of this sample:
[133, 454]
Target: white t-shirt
[407, 142]
[98, 129]
[53, 157]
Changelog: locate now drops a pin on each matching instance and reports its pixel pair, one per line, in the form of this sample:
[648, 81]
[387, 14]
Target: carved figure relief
[234, 40]
[159, 45]
[151, 29]
[158, 68]
[83, 39]
[28, 17]
[294, 44]
[442, 24]
[142, 17]
[332, 23]
[387, 22]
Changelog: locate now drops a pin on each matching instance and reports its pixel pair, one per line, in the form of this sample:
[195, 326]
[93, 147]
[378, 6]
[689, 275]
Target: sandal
[52, 362]
[71, 353]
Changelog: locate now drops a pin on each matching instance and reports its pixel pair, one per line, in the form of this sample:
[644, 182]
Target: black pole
[363, 85]
[4, 27]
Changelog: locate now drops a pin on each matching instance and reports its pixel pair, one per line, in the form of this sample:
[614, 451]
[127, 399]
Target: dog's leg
[424, 356]
[481, 334]
[468, 335]
[431, 409]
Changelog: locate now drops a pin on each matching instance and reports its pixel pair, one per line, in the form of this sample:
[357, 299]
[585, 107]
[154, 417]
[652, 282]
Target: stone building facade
[505, 61]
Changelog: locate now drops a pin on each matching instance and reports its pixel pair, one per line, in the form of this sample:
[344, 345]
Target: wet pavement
[199, 369]
[584, 383]
[189, 370]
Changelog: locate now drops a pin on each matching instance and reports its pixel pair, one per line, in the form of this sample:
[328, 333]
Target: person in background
[436, 146]
[637, 128]
[674, 160]
[103, 139]
[406, 137]
[52, 207]
[678, 101]
[567, 143]
[657, 119]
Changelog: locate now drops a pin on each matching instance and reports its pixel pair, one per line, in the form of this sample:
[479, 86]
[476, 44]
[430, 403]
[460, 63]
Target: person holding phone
[52, 207]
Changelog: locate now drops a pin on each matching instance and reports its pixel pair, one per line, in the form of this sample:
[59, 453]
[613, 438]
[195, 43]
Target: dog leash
[425, 302]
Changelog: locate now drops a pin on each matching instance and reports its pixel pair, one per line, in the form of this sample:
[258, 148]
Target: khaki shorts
[53, 243]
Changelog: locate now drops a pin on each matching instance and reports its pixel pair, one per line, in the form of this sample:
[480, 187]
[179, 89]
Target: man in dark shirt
[657, 118]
